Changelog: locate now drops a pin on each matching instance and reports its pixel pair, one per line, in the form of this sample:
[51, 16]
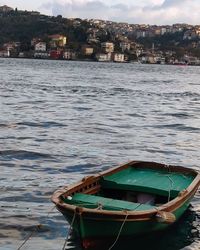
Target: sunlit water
[62, 120]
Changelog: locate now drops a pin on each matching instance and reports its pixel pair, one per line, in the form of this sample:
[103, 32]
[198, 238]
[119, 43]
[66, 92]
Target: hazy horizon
[158, 12]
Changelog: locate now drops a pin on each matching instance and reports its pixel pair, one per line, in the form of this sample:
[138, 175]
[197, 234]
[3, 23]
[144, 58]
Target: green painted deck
[93, 201]
[148, 180]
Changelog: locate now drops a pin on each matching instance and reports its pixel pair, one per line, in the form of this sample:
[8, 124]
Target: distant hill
[22, 26]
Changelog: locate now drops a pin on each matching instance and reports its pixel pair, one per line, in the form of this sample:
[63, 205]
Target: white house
[41, 54]
[141, 33]
[69, 55]
[40, 46]
[102, 57]
[118, 57]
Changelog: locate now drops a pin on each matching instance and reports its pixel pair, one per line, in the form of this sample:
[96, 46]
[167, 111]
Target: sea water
[62, 120]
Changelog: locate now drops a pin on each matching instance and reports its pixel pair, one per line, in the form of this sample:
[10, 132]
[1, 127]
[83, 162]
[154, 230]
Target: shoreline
[87, 60]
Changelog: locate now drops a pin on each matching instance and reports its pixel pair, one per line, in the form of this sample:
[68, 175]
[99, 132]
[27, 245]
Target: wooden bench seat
[94, 201]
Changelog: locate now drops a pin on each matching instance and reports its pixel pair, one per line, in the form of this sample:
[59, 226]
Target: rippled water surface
[62, 120]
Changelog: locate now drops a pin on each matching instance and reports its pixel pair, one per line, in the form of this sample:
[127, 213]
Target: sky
[132, 11]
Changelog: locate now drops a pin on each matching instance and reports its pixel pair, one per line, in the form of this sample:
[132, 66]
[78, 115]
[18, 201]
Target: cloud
[150, 11]
[85, 9]
[170, 3]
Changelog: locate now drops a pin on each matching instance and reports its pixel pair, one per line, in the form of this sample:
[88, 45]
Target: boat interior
[131, 189]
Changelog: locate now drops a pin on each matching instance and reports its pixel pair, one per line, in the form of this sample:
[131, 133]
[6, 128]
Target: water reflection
[184, 233]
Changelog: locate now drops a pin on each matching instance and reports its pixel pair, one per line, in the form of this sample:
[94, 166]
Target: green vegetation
[22, 26]
[173, 42]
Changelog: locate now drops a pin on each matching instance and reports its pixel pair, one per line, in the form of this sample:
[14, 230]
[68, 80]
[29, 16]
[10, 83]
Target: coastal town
[99, 40]
[100, 125]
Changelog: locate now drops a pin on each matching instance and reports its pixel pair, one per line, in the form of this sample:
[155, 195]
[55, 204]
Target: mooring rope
[120, 230]
[171, 182]
[36, 229]
[69, 231]
[170, 188]
[118, 235]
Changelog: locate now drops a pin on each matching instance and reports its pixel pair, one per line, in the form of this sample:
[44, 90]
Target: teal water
[62, 120]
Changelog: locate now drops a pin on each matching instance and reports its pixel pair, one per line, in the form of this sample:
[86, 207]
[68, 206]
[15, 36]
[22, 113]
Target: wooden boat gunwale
[90, 185]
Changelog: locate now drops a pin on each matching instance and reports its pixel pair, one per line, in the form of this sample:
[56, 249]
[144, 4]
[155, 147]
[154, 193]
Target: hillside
[22, 26]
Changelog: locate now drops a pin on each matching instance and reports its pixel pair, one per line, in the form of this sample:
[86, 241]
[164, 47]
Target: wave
[23, 154]
[47, 124]
[180, 127]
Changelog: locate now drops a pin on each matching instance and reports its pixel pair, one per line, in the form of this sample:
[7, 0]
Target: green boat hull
[87, 227]
[133, 199]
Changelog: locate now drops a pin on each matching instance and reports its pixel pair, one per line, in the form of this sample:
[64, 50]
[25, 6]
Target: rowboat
[132, 199]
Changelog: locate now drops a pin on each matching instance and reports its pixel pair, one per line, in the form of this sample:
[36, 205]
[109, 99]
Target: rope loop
[119, 233]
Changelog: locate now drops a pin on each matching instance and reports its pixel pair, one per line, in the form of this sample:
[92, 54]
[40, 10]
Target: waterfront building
[69, 55]
[118, 57]
[4, 53]
[191, 60]
[103, 57]
[56, 54]
[41, 54]
[87, 50]
[22, 55]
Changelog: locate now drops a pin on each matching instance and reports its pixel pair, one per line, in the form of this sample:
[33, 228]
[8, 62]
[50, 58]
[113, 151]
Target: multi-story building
[107, 47]
[118, 57]
[157, 31]
[69, 55]
[102, 57]
[163, 30]
[141, 33]
[58, 41]
[125, 46]
[56, 54]
[5, 8]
